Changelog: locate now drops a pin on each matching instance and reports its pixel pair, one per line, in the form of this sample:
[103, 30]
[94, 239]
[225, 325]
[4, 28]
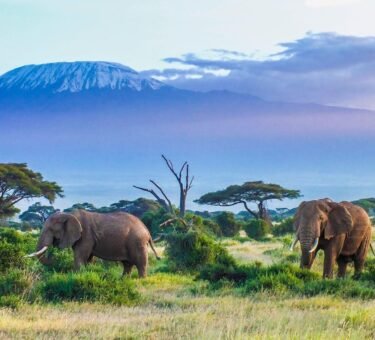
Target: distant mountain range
[97, 118]
[96, 86]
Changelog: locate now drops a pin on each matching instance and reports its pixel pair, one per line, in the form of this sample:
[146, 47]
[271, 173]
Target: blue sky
[141, 33]
[292, 50]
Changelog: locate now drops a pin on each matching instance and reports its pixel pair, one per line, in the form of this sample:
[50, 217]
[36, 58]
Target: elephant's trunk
[45, 241]
[309, 242]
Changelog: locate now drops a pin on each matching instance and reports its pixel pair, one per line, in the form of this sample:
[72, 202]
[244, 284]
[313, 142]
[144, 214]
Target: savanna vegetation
[222, 276]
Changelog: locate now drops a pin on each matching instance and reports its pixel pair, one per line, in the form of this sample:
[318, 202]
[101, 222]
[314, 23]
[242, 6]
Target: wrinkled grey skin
[344, 232]
[113, 236]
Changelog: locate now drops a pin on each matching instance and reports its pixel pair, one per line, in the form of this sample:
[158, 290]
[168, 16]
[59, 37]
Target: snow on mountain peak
[76, 77]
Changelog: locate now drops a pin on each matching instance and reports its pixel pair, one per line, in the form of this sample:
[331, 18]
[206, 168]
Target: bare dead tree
[165, 203]
[184, 181]
[184, 184]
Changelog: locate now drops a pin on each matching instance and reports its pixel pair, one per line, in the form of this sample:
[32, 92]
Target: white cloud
[329, 3]
[325, 68]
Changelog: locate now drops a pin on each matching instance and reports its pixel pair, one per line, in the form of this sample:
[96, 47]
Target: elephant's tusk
[39, 252]
[315, 245]
[293, 244]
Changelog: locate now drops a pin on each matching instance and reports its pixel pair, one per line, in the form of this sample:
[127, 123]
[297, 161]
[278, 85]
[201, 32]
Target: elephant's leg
[331, 254]
[359, 263]
[342, 263]
[127, 268]
[81, 257]
[329, 260]
[142, 261]
[89, 260]
[360, 255]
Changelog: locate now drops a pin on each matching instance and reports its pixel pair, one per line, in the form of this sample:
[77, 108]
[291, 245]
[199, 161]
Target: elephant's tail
[153, 248]
[372, 249]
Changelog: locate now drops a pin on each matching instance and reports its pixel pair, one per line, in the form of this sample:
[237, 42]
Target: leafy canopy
[255, 191]
[18, 182]
[37, 214]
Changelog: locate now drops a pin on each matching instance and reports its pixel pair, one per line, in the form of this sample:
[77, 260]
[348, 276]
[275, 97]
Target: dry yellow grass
[188, 317]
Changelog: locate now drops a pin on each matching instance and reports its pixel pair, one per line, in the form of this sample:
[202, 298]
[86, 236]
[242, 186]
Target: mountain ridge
[75, 77]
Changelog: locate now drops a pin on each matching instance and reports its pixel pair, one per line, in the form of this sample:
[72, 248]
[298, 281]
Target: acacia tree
[184, 181]
[250, 192]
[18, 182]
[37, 214]
[84, 206]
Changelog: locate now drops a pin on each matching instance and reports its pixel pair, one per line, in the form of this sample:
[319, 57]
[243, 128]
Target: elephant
[342, 230]
[111, 236]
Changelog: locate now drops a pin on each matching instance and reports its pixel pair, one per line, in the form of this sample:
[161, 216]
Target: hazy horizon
[321, 54]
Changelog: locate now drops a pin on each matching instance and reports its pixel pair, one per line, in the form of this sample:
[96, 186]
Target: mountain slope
[76, 77]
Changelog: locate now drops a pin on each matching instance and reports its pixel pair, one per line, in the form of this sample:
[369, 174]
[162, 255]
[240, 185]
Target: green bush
[11, 301]
[89, 285]
[287, 279]
[25, 241]
[257, 229]
[284, 227]
[16, 281]
[62, 260]
[347, 288]
[14, 245]
[11, 256]
[194, 249]
[212, 227]
[153, 219]
[228, 224]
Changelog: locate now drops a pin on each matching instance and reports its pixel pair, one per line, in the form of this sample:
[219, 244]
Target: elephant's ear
[72, 231]
[339, 221]
[297, 216]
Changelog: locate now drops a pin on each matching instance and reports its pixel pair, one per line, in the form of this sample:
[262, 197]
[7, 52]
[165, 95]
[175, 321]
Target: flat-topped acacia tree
[18, 182]
[250, 192]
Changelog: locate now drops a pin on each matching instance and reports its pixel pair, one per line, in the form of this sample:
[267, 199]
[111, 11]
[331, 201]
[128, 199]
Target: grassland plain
[176, 306]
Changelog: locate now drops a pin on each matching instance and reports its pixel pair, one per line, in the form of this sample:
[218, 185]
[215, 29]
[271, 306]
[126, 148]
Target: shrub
[212, 227]
[62, 260]
[194, 249]
[11, 255]
[16, 281]
[89, 285]
[228, 224]
[11, 301]
[25, 241]
[13, 246]
[257, 229]
[287, 279]
[284, 227]
[218, 272]
[153, 219]
[340, 287]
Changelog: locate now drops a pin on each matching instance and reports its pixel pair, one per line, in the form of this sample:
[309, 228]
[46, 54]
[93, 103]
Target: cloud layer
[329, 3]
[324, 68]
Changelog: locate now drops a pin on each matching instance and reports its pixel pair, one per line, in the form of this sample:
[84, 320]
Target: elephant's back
[127, 223]
[361, 228]
[117, 234]
[359, 215]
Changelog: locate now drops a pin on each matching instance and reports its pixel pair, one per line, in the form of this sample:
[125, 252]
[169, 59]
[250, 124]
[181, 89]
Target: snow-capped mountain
[75, 77]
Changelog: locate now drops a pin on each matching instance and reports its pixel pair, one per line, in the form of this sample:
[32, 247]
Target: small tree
[84, 206]
[137, 207]
[228, 224]
[250, 192]
[18, 182]
[37, 214]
